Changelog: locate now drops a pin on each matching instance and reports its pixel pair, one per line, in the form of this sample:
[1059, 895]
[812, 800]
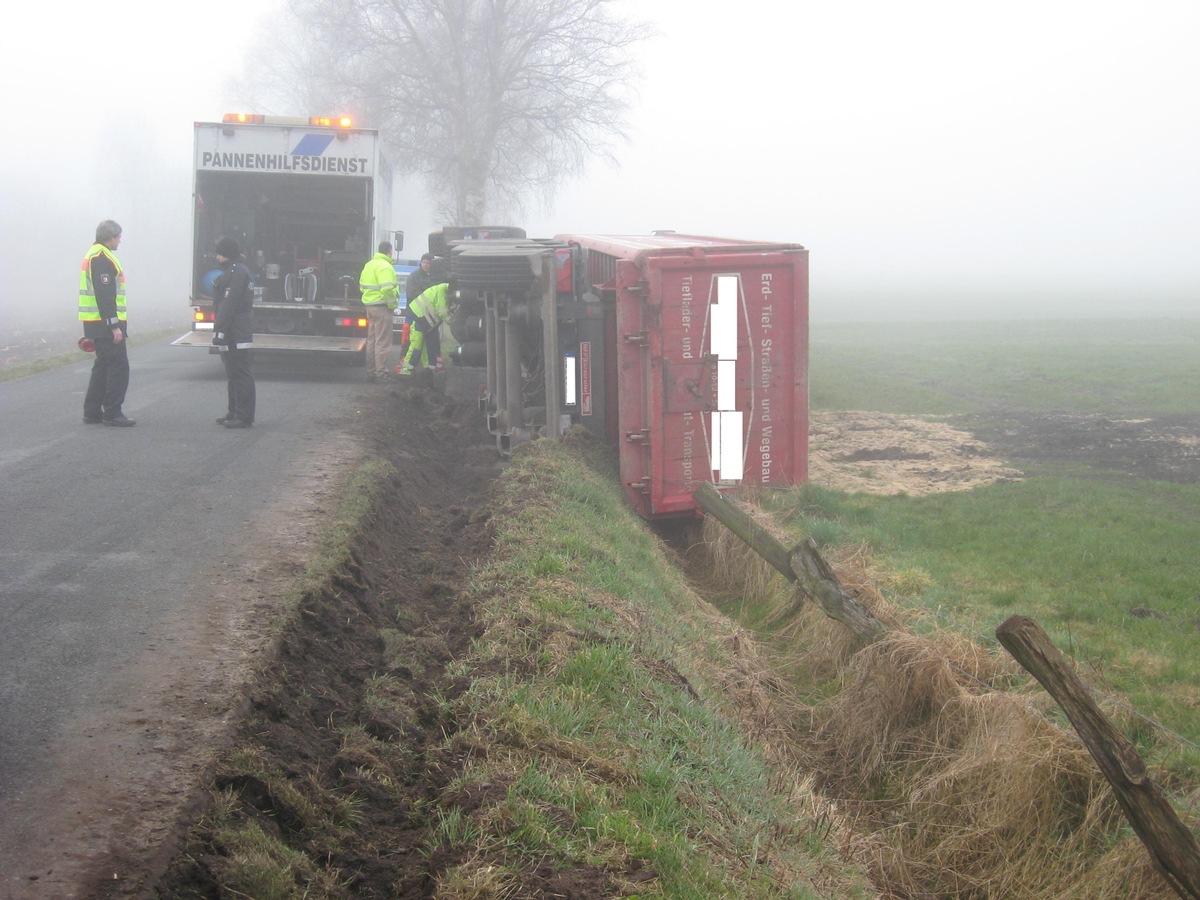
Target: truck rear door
[712, 356]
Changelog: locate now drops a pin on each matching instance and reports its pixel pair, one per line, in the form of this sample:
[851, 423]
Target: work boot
[120, 421]
[404, 369]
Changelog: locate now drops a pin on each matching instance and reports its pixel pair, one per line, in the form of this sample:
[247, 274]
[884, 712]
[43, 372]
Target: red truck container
[690, 353]
[711, 363]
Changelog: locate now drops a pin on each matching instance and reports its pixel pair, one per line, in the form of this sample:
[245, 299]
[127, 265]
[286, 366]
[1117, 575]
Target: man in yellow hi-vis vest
[380, 295]
[102, 312]
[428, 313]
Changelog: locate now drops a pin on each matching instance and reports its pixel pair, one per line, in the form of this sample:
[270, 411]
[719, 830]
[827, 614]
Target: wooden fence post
[1173, 848]
[826, 590]
[803, 564]
[739, 522]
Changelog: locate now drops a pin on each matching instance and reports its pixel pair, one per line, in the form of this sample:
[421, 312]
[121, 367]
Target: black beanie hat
[228, 248]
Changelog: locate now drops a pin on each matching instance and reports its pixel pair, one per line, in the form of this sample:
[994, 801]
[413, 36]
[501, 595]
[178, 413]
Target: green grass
[1116, 367]
[1080, 552]
[620, 744]
[1078, 556]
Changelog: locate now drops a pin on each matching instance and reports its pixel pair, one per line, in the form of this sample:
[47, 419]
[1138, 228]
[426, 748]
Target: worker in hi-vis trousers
[406, 335]
[427, 312]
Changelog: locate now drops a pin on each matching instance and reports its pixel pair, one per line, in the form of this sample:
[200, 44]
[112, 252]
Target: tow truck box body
[308, 204]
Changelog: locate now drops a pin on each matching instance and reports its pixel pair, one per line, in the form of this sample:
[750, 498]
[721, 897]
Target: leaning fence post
[819, 582]
[740, 523]
[1173, 848]
[802, 564]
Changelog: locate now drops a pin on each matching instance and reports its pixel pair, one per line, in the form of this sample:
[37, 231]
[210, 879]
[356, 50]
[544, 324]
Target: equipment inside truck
[304, 243]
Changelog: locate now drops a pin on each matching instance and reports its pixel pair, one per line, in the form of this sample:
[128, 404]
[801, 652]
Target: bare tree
[490, 101]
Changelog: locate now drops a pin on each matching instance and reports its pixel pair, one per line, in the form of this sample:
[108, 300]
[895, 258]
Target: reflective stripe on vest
[432, 302]
[88, 310]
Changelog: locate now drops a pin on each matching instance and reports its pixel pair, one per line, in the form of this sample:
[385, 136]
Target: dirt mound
[881, 453]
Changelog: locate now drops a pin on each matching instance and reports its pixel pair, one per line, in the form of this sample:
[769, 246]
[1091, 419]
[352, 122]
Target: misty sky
[939, 159]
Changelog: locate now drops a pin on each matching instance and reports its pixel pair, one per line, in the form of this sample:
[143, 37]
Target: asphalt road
[123, 555]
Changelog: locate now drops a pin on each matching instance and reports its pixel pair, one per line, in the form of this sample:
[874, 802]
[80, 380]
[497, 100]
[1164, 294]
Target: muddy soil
[397, 621]
[397, 616]
[1163, 448]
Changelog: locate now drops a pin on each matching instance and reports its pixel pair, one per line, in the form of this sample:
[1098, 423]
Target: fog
[941, 160]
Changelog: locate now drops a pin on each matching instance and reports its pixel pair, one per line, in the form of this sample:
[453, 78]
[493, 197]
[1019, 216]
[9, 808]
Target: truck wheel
[510, 272]
[467, 323]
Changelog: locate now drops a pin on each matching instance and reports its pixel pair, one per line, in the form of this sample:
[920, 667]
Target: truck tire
[471, 353]
[504, 266]
[467, 323]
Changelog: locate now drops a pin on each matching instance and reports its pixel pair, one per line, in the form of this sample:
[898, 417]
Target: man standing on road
[102, 311]
[380, 295]
[233, 332]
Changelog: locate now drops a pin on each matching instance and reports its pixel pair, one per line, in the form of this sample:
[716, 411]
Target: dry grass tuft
[477, 878]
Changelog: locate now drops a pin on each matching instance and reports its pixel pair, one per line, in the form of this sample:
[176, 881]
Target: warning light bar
[259, 119]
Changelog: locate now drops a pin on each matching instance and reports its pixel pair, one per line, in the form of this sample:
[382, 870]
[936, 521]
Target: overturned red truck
[690, 353]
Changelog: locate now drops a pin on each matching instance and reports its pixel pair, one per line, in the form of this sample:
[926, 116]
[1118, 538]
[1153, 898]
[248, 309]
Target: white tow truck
[308, 200]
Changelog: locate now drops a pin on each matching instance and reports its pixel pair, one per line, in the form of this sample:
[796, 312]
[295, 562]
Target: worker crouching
[427, 313]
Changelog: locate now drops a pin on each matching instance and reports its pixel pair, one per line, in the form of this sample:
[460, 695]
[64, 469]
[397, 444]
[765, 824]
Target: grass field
[1090, 544]
[1115, 367]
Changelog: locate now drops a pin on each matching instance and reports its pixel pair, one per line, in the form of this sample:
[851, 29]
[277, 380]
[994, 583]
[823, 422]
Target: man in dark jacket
[233, 299]
[419, 280]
